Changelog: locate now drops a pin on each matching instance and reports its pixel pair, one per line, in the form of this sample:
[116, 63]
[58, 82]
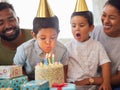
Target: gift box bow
[59, 86]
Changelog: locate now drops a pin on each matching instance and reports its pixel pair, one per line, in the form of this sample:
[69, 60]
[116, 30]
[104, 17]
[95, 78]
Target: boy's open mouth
[78, 35]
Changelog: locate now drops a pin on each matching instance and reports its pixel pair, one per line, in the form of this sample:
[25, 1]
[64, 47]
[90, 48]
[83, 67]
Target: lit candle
[41, 64]
[53, 59]
[45, 60]
[49, 58]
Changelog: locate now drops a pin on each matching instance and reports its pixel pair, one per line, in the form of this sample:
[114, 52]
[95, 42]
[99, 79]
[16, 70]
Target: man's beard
[13, 37]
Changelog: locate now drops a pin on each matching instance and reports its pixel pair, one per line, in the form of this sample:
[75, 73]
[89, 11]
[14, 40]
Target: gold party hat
[44, 9]
[81, 6]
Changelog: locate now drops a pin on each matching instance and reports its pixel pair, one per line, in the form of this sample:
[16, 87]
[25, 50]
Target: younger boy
[86, 55]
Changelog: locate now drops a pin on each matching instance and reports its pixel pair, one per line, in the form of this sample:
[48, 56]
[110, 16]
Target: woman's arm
[106, 74]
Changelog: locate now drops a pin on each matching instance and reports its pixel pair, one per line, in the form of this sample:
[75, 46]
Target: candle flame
[46, 55]
[49, 55]
[53, 55]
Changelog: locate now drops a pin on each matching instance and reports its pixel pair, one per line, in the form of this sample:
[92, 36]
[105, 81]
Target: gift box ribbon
[59, 86]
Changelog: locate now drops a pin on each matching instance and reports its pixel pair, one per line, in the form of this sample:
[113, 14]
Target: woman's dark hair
[87, 14]
[50, 22]
[114, 3]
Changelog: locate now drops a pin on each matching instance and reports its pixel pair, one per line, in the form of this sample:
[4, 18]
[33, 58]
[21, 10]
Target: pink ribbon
[59, 86]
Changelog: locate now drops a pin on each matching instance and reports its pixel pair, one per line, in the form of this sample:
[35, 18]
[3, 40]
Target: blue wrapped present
[13, 82]
[36, 85]
[4, 83]
[64, 86]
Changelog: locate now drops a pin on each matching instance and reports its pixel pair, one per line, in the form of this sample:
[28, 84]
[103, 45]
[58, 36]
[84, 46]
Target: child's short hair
[87, 14]
[50, 22]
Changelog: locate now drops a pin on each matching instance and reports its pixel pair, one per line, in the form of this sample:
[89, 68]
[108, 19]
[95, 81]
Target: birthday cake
[53, 72]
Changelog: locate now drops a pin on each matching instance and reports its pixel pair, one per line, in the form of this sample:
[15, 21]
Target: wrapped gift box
[10, 71]
[64, 86]
[36, 85]
[13, 82]
[5, 83]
